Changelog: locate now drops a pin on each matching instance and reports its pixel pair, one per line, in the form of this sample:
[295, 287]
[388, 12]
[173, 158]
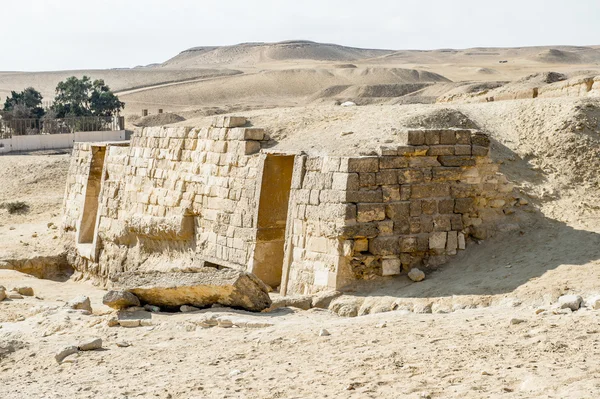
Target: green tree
[25, 104]
[84, 97]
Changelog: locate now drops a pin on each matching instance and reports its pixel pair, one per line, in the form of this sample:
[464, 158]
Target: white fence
[53, 141]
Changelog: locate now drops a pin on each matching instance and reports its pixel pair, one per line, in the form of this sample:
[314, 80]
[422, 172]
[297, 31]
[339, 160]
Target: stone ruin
[179, 199]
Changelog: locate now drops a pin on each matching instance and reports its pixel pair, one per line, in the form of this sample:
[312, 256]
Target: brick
[367, 230]
[449, 160]
[415, 137]
[461, 241]
[384, 246]
[415, 225]
[432, 137]
[397, 210]
[479, 151]
[408, 244]
[429, 206]
[451, 243]
[251, 147]
[405, 192]
[397, 162]
[361, 245]
[367, 179]
[436, 150]
[228, 121]
[446, 173]
[364, 196]
[423, 162]
[246, 134]
[448, 137]
[437, 240]
[388, 151]
[370, 212]
[456, 222]
[402, 225]
[364, 164]
[429, 190]
[385, 227]
[390, 267]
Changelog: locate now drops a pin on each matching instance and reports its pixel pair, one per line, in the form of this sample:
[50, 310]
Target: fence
[22, 127]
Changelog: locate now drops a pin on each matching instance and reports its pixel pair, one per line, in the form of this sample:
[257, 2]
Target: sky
[44, 35]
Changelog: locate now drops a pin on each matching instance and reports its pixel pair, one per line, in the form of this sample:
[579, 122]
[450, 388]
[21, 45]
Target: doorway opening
[87, 226]
[272, 218]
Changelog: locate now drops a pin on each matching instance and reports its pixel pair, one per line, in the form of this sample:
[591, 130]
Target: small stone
[416, 275]
[422, 308]
[348, 104]
[594, 302]
[113, 322]
[152, 308]
[233, 373]
[91, 345]
[129, 323]
[14, 295]
[2, 293]
[346, 133]
[515, 321]
[187, 309]
[120, 299]
[485, 373]
[381, 325]
[63, 353]
[123, 344]
[539, 310]
[26, 291]
[81, 303]
[572, 302]
[225, 323]
[323, 333]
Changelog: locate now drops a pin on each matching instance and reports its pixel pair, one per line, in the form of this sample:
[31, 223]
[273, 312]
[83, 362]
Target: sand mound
[554, 56]
[347, 92]
[442, 118]
[248, 54]
[158, 120]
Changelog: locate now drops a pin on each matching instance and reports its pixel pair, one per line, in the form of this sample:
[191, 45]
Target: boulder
[81, 303]
[2, 293]
[202, 288]
[64, 352]
[91, 345]
[120, 299]
[572, 302]
[26, 291]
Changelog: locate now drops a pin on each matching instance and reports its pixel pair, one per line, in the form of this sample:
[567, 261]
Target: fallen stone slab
[80, 303]
[91, 345]
[64, 352]
[202, 288]
[120, 299]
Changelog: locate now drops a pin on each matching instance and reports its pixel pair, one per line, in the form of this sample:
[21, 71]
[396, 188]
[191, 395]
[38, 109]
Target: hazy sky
[78, 34]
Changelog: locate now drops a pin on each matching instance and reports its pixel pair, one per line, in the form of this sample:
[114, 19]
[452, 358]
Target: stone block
[385, 227]
[430, 190]
[228, 121]
[245, 134]
[384, 246]
[397, 210]
[410, 176]
[436, 150]
[251, 147]
[390, 267]
[452, 243]
[354, 230]
[442, 223]
[402, 225]
[414, 225]
[405, 192]
[423, 162]
[479, 151]
[448, 137]
[364, 196]
[388, 151]
[415, 137]
[461, 241]
[461, 149]
[449, 160]
[397, 162]
[367, 179]
[437, 240]
[429, 206]
[432, 137]
[456, 222]
[463, 137]
[480, 139]
[446, 174]
[464, 205]
[361, 245]
[390, 193]
[364, 164]
[408, 244]
[386, 177]
[446, 206]
[370, 212]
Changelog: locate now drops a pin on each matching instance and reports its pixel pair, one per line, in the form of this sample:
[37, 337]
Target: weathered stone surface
[14, 295]
[416, 275]
[91, 344]
[205, 287]
[323, 299]
[2, 293]
[81, 302]
[188, 308]
[64, 352]
[120, 299]
[25, 291]
[390, 267]
[572, 302]
[295, 301]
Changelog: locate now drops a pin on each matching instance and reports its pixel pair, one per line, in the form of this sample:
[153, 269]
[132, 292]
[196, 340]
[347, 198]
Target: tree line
[74, 98]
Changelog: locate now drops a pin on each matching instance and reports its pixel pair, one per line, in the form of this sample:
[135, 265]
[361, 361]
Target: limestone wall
[412, 205]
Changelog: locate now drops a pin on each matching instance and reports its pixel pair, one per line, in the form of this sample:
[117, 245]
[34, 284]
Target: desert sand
[494, 328]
